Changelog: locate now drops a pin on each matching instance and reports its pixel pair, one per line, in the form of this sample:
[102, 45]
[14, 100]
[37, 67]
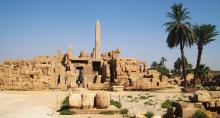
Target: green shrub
[143, 97]
[107, 112]
[66, 101]
[200, 114]
[115, 103]
[149, 114]
[148, 103]
[166, 104]
[124, 111]
[64, 109]
[129, 96]
[66, 112]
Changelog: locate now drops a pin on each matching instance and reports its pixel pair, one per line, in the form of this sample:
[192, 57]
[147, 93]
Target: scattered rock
[102, 100]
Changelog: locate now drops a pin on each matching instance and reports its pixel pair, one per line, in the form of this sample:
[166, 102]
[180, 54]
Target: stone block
[75, 100]
[202, 96]
[88, 100]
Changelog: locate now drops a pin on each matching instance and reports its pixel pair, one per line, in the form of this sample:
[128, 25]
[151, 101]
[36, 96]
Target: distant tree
[178, 67]
[189, 68]
[162, 61]
[160, 67]
[203, 72]
[180, 33]
[154, 65]
[204, 35]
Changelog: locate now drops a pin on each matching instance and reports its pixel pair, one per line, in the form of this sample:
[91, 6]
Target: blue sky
[40, 27]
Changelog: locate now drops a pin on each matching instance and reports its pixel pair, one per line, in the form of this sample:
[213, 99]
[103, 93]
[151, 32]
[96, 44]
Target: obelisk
[97, 41]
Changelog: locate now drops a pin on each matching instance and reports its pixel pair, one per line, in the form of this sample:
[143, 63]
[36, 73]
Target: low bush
[200, 114]
[115, 103]
[124, 111]
[148, 103]
[149, 114]
[66, 112]
[143, 97]
[166, 104]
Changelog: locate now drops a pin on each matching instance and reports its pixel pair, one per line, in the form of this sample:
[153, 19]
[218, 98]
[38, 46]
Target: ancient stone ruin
[93, 70]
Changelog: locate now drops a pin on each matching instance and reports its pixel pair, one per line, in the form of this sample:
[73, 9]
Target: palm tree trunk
[183, 63]
[197, 66]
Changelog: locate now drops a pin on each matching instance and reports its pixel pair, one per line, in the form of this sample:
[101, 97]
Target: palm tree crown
[204, 34]
[178, 28]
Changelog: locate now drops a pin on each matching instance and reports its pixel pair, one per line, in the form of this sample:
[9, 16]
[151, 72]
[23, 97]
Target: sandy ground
[43, 104]
[28, 104]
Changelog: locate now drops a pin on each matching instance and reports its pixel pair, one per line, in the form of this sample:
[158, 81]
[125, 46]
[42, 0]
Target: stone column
[97, 41]
[70, 53]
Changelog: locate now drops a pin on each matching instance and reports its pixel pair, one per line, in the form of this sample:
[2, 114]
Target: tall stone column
[97, 41]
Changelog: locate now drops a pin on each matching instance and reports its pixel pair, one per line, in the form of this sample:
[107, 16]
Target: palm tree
[162, 61]
[180, 33]
[204, 34]
[203, 72]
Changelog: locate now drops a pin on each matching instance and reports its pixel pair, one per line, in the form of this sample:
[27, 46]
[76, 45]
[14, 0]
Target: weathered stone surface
[99, 86]
[75, 100]
[215, 94]
[139, 115]
[88, 100]
[102, 100]
[118, 88]
[202, 96]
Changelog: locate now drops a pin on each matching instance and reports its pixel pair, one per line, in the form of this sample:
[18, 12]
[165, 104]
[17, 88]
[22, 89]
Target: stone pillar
[97, 41]
[70, 52]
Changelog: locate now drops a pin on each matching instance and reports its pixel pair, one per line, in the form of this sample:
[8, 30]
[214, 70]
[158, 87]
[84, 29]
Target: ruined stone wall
[60, 72]
[127, 70]
[39, 73]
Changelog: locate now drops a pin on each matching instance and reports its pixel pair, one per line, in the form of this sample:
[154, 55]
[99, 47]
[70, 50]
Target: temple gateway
[95, 70]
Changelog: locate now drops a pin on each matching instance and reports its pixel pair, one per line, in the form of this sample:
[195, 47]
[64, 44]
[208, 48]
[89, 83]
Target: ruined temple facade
[93, 71]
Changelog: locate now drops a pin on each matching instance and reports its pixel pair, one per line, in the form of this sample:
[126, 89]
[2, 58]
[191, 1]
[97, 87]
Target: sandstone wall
[37, 74]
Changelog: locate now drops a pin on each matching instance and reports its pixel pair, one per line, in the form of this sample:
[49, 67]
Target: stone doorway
[79, 76]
